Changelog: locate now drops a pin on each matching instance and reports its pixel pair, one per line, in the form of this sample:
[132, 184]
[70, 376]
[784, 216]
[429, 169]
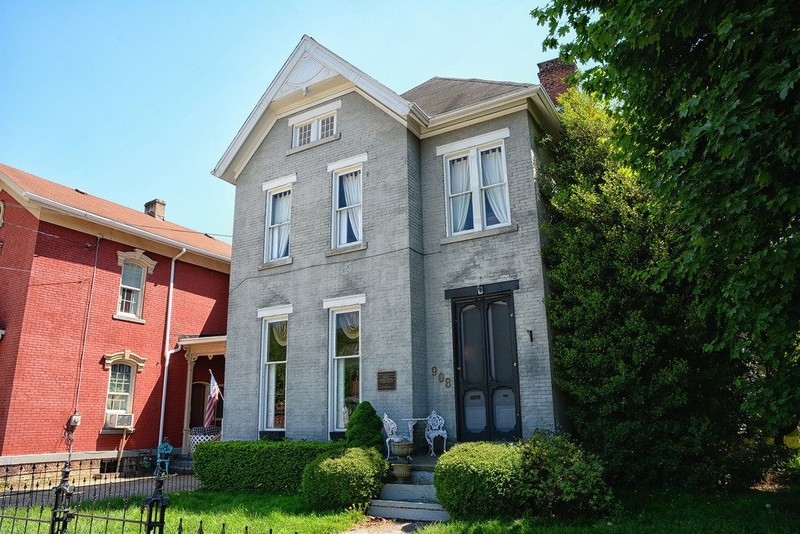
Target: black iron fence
[87, 500]
[31, 484]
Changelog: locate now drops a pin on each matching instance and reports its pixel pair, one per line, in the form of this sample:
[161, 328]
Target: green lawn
[667, 512]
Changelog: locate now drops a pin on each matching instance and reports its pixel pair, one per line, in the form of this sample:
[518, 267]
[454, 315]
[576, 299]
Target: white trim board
[279, 182]
[341, 302]
[274, 311]
[315, 112]
[464, 144]
[342, 163]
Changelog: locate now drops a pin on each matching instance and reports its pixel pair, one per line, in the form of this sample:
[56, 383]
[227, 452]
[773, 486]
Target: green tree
[706, 101]
[641, 391]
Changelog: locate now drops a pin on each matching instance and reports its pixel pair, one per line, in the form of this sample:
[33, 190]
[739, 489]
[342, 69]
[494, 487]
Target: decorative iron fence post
[61, 513]
[156, 507]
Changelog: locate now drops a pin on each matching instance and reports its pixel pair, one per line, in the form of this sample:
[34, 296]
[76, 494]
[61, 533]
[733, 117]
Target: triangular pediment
[307, 71]
[310, 64]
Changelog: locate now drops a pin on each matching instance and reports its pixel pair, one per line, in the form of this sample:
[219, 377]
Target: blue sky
[132, 101]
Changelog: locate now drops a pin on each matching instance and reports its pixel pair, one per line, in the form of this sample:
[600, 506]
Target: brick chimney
[156, 208]
[551, 76]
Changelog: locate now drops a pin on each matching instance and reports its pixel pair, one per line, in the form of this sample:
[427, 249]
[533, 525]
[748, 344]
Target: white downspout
[167, 351]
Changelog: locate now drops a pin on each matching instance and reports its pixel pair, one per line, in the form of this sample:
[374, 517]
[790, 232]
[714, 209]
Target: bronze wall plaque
[387, 380]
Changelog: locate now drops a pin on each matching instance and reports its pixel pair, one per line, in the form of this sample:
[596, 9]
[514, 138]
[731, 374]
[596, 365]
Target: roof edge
[103, 221]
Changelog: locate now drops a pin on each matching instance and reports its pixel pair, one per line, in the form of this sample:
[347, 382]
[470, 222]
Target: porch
[204, 356]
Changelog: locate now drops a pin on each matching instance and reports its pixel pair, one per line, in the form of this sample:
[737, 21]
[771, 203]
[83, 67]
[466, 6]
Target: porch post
[187, 405]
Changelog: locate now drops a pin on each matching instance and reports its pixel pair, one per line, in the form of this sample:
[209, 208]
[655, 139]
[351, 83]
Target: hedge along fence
[266, 466]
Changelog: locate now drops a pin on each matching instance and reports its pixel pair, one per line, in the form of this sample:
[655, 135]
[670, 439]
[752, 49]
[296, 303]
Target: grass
[260, 513]
[664, 512]
[661, 512]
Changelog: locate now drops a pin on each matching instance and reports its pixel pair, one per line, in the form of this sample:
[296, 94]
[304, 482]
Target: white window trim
[129, 407]
[476, 189]
[337, 169]
[274, 311]
[272, 314]
[314, 118]
[342, 302]
[272, 188]
[347, 162]
[315, 112]
[278, 182]
[136, 256]
[332, 312]
[472, 142]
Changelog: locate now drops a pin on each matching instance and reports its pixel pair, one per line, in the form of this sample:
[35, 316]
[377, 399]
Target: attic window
[314, 125]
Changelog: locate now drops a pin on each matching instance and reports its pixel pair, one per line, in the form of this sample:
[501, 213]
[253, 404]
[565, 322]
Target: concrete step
[411, 511]
[409, 492]
[421, 477]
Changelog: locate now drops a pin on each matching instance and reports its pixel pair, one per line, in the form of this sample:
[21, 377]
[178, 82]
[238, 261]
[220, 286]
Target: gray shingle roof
[441, 95]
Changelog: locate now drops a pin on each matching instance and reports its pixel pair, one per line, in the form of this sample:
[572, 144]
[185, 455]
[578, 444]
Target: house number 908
[440, 376]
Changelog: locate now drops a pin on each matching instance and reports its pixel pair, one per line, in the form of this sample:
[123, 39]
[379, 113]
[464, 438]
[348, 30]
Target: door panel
[487, 384]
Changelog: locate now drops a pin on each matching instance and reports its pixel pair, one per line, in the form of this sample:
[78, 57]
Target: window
[278, 222]
[120, 389]
[345, 350]
[476, 183]
[135, 267]
[123, 368]
[276, 339]
[130, 289]
[347, 207]
[314, 125]
[274, 343]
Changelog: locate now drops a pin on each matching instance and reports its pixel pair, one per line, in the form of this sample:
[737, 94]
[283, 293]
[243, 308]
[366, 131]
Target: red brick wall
[18, 238]
[48, 366]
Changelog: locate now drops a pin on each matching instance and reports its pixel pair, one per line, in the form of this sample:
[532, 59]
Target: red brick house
[98, 304]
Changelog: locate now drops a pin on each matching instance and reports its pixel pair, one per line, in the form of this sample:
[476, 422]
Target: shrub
[268, 466]
[364, 427]
[480, 480]
[561, 480]
[345, 479]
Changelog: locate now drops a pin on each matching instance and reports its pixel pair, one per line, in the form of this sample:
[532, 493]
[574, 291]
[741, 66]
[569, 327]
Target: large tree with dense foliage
[707, 102]
[641, 391]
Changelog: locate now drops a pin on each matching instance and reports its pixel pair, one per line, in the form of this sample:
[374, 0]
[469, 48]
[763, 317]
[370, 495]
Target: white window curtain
[494, 184]
[279, 231]
[351, 186]
[348, 322]
[461, 196]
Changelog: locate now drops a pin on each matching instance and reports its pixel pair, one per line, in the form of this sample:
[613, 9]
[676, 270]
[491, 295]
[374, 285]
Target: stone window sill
[128, 318]
[477, 235]
[315, 143]
[346, 250]
[275, 263]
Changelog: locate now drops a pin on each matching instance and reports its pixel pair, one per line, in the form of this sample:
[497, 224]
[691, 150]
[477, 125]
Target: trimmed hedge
[342, 480]
[548, 475]
[562, 480]
[266, 466]
[481, 480]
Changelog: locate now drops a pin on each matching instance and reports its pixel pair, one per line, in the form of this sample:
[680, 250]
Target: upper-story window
[476, 183]
[278, 217]
[347, 181]
[135, 267]
[314, 125]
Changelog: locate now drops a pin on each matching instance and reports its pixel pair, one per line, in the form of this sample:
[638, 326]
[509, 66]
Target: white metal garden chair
[434, 428]
[390, 427]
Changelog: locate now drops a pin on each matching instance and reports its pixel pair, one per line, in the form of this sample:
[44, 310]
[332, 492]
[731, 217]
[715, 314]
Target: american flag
[211, 403]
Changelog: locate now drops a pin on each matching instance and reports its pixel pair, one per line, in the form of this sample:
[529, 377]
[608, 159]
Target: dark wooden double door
[487, 381]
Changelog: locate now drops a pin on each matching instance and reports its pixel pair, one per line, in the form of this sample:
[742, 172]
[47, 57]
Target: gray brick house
[387, 248]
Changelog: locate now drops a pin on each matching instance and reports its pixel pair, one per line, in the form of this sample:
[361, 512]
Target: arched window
[123, 368]
[135, 267]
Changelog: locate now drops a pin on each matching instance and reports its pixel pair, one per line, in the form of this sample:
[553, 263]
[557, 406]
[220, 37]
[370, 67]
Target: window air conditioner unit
[119, 420]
